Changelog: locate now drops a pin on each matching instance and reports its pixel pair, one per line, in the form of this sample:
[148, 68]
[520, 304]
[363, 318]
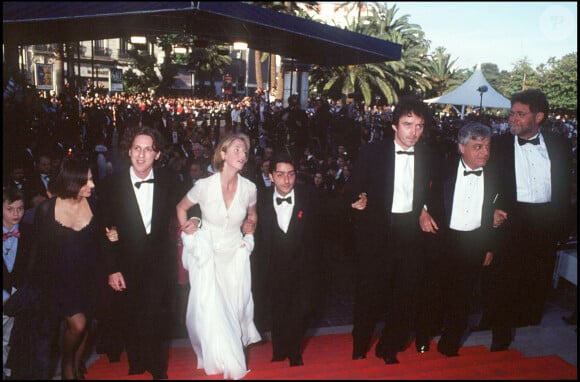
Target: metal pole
[247, 69]
[93, 62]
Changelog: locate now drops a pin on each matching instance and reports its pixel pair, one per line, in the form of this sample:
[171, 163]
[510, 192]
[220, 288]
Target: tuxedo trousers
[386, 286]
[522, 280]
[463, 253]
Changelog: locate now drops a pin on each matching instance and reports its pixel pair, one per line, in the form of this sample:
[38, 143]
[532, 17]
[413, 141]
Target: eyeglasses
[519, 114]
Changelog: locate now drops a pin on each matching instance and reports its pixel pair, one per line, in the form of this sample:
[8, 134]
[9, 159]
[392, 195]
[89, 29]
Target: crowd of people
[216, 213]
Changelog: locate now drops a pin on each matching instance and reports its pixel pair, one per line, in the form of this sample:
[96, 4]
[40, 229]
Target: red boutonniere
[300, 213]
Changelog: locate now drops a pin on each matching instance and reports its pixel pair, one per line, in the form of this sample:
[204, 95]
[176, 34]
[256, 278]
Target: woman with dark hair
[64, 258]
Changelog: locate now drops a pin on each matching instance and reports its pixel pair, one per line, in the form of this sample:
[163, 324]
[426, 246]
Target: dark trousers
[463, 265]
[387, 283]
[522, 280]
[290, 289]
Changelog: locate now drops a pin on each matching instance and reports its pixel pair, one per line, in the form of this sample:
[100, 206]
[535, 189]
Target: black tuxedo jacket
[141, 258]
[34, 186]
[503, 160]
[295, 269]
[303, 230]
[374, 173]
[442, 192]
[259, 180]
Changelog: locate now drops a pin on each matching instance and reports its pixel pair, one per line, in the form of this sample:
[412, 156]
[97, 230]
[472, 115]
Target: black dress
[74, 269]
[64, 271]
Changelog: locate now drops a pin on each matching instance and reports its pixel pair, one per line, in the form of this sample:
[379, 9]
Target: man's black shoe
[498, 347]
[446, 352]
[390, 359]
[296, 361]
[136, 370]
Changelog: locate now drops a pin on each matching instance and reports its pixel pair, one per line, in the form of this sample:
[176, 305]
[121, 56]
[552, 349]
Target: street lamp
[482, 89]
[243, 46]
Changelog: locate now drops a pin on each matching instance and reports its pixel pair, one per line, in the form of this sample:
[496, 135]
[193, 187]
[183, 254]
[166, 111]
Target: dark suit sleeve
[106, 209]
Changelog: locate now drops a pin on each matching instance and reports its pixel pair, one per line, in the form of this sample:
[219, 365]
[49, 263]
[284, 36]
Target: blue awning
[307, 41]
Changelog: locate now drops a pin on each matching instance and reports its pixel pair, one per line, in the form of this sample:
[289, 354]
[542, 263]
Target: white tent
[475, 91]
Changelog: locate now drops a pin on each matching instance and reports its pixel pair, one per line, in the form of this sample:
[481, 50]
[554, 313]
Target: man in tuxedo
[394, 176]
[459, 212]
[534, 200]
[286, 258]
[263, 180]
[138, 203]
[37, 183]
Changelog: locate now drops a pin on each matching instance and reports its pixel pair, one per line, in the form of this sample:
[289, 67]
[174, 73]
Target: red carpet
[329, 357]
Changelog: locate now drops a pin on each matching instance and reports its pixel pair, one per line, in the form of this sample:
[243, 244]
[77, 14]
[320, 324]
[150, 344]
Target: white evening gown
[220, 308]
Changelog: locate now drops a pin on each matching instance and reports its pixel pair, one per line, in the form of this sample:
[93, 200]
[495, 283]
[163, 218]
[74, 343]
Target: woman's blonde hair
[223, 145]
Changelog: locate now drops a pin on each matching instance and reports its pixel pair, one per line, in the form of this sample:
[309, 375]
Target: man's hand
[361, 203]
[488, 259]
[427, 223]
[117, 282]
[499, 217]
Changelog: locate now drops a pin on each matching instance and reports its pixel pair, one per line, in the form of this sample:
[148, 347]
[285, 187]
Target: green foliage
[145, 64]
[132, 82]
[559, 80]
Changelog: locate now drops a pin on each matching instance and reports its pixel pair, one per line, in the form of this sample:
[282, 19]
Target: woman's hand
[248, 227]
[191, 225]
[112, 234]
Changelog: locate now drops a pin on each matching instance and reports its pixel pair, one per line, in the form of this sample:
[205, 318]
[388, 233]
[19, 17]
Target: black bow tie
[477, 172]
[535, 141]
[406, 152]
[280, 200]
[138, 184]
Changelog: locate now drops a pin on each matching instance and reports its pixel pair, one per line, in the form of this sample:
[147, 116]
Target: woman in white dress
[216, 252]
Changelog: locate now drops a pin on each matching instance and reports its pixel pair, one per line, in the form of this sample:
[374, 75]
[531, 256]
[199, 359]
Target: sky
[497, 32]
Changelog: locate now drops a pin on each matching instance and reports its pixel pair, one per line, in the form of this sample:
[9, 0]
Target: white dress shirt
[144, 196]
[267, 180]
[533, 176]
[284, 210]
[467, 200]
[404, 179]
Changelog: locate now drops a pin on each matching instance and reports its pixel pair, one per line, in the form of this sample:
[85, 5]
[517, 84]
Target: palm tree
[441, 74]
[387, 79]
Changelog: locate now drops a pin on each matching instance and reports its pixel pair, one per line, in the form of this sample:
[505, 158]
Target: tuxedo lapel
[449, 180]
[267, 219]
[295, 227]
[158, 197]
[387, 172]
